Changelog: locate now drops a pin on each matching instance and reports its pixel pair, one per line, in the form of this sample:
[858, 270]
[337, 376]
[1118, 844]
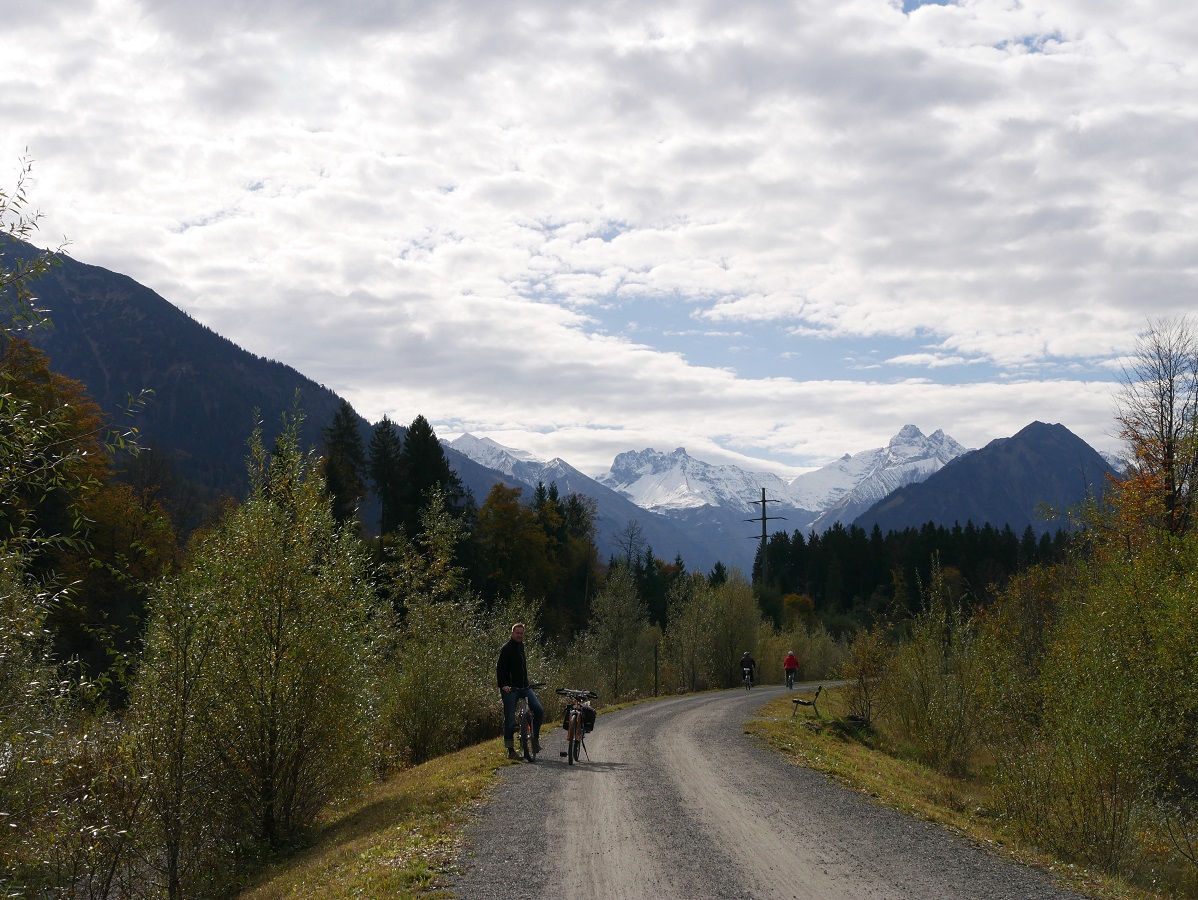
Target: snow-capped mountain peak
[910, 456]
[677, 485]
[673, 481]
[491, 454]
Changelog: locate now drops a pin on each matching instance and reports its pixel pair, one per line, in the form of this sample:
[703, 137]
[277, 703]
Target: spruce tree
[344, 463]
[425, 467]
[386, 472]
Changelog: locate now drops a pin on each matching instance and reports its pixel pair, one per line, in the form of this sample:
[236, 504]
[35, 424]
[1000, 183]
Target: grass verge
[856, 758]
[398, 840]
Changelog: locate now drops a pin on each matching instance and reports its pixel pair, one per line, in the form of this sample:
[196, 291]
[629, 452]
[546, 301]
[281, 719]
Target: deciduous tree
[1158, 418]
[280, 605]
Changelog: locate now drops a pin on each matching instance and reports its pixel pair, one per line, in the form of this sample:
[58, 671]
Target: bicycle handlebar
[576, 694]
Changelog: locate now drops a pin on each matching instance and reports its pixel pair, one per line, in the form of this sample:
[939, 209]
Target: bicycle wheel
[573, 738]
[524, 726]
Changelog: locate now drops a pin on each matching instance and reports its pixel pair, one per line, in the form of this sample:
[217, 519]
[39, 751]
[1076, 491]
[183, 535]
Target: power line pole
[765, 563]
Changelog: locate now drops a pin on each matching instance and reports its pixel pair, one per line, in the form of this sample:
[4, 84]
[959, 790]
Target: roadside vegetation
[1060, 718]
[864, 759]
[287, 696]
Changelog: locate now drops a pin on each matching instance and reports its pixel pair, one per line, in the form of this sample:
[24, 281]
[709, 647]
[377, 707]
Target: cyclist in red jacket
[791, 665]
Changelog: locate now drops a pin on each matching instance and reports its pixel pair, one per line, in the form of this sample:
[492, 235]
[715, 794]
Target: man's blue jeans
[509, 714]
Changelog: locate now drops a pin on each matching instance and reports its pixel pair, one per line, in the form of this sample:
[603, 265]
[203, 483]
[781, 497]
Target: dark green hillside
[119, 338]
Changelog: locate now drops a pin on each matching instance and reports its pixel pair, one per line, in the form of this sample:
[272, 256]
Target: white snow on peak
[493, 455]
[663, 481]
[675, 481]
[850, 486]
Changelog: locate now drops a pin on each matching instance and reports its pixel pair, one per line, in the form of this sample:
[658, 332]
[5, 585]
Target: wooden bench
[799, 701]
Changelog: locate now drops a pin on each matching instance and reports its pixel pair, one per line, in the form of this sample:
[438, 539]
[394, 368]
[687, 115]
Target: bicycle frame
[524, 725]
[575, 723]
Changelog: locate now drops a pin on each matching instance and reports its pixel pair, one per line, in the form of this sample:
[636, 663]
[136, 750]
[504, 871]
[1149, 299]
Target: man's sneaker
[512, 754]
[536, 746]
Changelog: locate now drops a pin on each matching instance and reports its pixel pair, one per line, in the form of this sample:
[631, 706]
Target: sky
[769, 232]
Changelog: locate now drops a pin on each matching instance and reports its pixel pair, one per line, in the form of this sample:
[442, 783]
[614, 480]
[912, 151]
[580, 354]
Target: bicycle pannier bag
[588, 719]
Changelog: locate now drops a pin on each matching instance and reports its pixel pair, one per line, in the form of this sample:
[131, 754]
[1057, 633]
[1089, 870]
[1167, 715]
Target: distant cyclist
[748, 666]
[791, 665]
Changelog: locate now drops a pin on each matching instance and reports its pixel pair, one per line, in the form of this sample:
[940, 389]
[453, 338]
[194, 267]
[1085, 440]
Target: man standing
[511, 673]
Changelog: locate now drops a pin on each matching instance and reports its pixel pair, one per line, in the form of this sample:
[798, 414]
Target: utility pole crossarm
[765, 518]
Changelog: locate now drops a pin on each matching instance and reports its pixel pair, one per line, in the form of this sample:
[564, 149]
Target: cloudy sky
[771, 232]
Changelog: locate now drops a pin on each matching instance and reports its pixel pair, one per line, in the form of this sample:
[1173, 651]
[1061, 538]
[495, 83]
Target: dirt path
[677, 802]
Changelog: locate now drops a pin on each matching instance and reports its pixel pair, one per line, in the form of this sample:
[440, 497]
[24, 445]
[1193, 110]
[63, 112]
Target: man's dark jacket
[512, 668]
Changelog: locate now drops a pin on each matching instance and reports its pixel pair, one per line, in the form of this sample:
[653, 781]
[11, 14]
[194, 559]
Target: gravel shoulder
[676, 801]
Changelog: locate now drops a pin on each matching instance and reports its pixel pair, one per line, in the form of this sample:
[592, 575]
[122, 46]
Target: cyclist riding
[791, 665]
[749, 667]
[511, 674]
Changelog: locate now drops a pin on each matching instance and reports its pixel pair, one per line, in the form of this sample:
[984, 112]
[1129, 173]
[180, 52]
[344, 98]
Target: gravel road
[676, 801]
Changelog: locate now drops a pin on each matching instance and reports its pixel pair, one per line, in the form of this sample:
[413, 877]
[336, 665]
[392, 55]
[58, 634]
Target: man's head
[518, 631]
[746, 653]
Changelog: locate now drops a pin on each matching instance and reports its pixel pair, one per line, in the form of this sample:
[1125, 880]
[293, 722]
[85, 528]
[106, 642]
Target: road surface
[676, 802]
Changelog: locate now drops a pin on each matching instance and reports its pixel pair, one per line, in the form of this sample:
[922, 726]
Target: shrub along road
[676, 801]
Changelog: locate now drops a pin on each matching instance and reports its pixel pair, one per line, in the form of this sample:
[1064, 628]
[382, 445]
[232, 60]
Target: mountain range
[119, 337]
[1031, 479]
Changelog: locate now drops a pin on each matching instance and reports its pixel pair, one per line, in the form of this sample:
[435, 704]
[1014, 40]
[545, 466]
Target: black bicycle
[524, 725]
[578, 719]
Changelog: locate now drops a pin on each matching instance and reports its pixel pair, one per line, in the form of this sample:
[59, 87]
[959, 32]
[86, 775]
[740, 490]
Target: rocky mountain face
[1016, 481]
[677, 481]
[671, 483]
[719, 506]
[613, 510]
[909, 458]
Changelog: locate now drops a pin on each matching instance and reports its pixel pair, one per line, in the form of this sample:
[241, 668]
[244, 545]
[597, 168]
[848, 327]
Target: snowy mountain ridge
[673, 481]
[676, 484]
[487, 452]
[871, 475]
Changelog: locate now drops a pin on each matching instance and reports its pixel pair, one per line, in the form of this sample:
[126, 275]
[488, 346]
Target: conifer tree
[386, 472]
[344, 463]
[424, 468]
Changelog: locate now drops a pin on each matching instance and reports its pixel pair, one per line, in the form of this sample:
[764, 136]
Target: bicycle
[748, 678]
[579, 718]
[790, 678]
[524, 724]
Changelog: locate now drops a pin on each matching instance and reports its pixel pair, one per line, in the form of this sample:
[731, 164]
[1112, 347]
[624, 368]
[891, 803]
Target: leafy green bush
[865, 668]
[932, 690]
[254, 700]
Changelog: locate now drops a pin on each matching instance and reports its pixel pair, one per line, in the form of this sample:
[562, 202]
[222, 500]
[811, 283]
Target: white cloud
[446, 210]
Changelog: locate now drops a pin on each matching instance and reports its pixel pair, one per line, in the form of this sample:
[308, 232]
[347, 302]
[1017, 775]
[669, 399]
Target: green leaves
[18, 307]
